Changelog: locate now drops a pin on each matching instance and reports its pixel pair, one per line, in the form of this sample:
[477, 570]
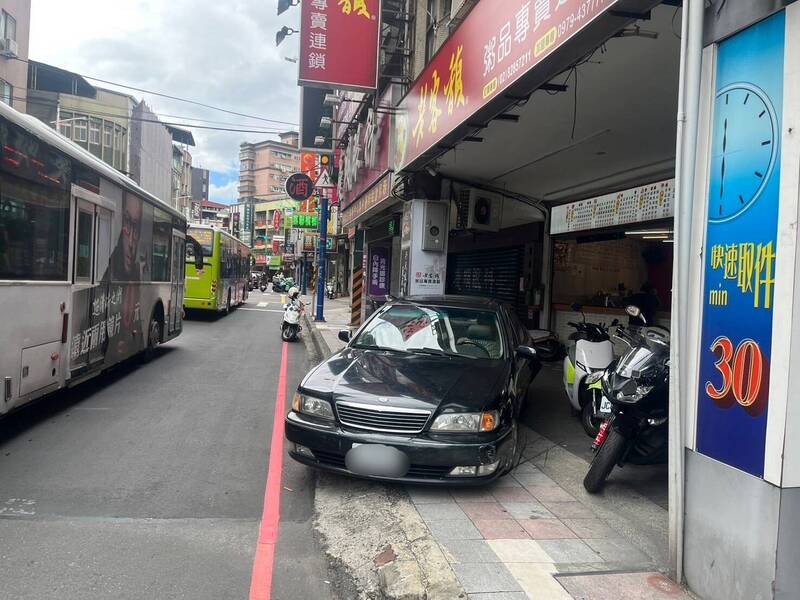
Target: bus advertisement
[92, 263]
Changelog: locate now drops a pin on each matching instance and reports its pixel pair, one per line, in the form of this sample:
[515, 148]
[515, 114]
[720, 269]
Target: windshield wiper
[437, 352]
[374, 347]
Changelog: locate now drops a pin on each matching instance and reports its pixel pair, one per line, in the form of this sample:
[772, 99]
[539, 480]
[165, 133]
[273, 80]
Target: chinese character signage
[378, 271]
[339, 43]
[498, 42]
[299, 186]
[743, 201]
[303, 221]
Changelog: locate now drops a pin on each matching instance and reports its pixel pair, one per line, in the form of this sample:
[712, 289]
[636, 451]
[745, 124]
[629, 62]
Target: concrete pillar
[423, 243]
[742, 480]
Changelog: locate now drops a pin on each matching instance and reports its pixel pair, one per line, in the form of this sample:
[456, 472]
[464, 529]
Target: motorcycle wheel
[590, 423]
[548, 350]
[287, 333]
[603, 463]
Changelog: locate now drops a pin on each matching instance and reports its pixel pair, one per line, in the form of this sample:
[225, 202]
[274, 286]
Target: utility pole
[323, 242]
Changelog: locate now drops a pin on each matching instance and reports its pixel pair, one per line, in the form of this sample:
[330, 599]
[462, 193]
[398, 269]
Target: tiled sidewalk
[511, 540]
[525, 537]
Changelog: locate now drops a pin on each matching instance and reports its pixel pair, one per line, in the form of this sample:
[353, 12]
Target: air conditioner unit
[9, 48]
[478, 210]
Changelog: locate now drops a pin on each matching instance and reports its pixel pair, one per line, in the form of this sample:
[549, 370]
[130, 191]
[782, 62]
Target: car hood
[408, 380]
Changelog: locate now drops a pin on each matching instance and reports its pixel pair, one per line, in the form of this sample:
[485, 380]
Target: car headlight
[641, 392]
[594, 377]
[312, 406]
[485, 421]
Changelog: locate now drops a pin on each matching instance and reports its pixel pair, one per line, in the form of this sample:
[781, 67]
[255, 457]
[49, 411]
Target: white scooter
[591, 351]
[290, 326]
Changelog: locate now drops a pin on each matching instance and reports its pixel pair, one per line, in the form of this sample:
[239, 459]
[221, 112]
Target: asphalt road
[148, 481]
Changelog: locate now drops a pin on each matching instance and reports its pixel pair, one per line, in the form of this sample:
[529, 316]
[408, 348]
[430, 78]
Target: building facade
[15, 27]
[117, 128]
[200, 184]
[265, 166]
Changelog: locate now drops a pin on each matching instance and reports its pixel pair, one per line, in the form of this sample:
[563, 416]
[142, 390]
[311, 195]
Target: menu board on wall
[635, 205]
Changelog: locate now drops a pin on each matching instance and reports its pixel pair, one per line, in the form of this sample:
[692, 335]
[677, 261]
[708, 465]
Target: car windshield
[434, 330]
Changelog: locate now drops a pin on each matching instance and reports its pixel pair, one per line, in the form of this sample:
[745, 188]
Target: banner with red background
[339, 43]
[498, 42]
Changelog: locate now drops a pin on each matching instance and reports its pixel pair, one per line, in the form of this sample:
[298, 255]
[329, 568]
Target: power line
[178, 98]
[174, 124]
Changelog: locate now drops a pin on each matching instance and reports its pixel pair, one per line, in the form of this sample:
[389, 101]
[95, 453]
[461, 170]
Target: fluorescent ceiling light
[655, 237]
[650, 232]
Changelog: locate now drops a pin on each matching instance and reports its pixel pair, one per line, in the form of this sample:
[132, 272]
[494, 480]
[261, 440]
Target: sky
[217, 53]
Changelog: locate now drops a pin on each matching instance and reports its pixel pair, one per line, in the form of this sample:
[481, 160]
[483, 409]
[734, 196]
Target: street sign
[299, 187]
[324, 181]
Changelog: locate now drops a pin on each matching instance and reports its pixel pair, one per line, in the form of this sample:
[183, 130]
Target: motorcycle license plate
[605, 406]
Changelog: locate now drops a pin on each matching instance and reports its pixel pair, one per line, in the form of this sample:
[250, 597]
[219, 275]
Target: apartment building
[265, 166]
[15, 26]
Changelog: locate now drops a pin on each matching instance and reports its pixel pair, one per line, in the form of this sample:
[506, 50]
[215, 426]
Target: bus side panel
[32, 357]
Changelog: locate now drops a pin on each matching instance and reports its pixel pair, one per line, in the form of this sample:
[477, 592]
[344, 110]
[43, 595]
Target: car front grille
[379, 418]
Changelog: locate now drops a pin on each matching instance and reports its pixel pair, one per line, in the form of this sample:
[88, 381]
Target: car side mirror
[344, 335]
[527, 352]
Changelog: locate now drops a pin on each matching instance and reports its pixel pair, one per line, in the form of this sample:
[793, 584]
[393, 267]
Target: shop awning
[607, 124]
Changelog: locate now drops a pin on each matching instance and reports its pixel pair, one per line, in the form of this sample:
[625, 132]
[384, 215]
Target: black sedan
[429, 390]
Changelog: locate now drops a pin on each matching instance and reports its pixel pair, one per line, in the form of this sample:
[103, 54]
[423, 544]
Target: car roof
[454, 300]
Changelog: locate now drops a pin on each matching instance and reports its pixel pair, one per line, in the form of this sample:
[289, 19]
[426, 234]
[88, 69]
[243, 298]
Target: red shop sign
[339, 43]
[498, 42]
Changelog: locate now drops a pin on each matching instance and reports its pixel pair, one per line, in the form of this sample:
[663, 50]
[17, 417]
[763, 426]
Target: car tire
[603, 462]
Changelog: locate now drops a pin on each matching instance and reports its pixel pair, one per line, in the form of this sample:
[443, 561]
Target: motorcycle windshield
[638, 360]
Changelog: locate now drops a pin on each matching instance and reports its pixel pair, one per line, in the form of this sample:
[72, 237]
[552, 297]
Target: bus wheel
[153, 337]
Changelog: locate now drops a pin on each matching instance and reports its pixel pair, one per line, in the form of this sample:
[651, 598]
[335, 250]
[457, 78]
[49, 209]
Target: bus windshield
[204, 237]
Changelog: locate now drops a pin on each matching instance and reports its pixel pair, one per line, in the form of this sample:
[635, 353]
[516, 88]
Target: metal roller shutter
[487, 273]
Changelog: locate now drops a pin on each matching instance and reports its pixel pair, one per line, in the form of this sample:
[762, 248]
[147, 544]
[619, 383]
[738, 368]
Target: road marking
[18, 507]
[262, 304]
[91, 408]
[264, 563]
[272, 310]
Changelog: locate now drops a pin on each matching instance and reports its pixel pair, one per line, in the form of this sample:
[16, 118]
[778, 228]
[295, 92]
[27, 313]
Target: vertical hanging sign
[742, 228]
[339, 43]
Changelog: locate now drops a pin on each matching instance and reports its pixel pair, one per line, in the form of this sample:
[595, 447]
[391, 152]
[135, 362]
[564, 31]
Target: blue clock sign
[740, 249]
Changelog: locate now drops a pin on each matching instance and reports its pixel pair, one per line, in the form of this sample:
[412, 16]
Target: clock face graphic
[744, 150]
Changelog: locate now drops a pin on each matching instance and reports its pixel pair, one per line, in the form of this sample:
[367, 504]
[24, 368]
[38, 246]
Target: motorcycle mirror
[576, 307]
[344, 335]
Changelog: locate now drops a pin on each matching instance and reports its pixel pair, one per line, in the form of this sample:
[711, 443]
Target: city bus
[221, 283]
[91, 265]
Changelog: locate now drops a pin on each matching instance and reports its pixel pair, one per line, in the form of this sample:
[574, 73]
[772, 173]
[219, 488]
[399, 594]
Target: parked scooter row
[635, 403]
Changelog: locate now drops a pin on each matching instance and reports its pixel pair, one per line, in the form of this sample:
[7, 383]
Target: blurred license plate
[605, 406]
[376, 460]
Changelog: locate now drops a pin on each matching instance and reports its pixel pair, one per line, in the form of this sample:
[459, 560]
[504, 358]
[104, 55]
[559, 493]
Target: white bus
[91, 265]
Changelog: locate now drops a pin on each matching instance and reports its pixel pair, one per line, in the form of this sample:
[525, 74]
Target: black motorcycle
[637, 389]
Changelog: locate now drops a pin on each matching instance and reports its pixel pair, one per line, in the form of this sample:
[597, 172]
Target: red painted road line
[261, 580]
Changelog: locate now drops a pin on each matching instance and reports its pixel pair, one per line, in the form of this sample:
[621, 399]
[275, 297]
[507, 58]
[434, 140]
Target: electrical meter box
[434, 221]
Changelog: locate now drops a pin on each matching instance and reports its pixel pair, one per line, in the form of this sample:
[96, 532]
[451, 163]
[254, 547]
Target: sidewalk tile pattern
[508, 540]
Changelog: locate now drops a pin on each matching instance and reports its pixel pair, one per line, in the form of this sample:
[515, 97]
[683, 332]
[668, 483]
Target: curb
[318, 342]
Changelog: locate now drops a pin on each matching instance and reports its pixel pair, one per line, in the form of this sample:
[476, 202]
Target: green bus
[222, 282]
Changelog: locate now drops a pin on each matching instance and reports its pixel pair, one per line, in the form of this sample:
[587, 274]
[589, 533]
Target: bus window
[204, 237]
[83, 246]
[34, 230]
[162, 233]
